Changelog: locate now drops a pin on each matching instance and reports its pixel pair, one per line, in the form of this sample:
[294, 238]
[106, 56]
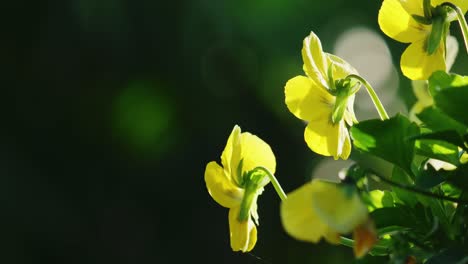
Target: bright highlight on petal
[416, 64]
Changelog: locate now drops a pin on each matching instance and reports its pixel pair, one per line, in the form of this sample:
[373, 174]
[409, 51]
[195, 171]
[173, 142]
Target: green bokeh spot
[142, 117]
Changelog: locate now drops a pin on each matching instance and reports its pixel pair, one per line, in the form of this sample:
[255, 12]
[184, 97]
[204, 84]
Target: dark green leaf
[437, 120]
[401, 177]
[453, 102]
[392, 216]
[459, 177]
[429, 177]
[389, 139]
[452, 255]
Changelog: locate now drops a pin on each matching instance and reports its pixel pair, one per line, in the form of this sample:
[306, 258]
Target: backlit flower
[321, 209]
[322, 101]
[232, 186]
[426, 28]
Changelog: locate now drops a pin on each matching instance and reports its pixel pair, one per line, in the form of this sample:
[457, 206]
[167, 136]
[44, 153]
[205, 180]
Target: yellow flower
[321, 209]
[233, 187]
[313, 98]
[407, 21]
[420, 87]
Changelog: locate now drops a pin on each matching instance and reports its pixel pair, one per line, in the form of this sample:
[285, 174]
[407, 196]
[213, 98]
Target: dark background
[113, 108]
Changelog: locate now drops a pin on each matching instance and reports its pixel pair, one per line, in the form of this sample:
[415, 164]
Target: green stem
[274, 181]
[461, 20]
[416, 190]
[375, 99]
[350, 243]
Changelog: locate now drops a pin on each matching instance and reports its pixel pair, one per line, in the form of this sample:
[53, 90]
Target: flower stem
[375, 99]
[461, 20]
[274, 181]
[416, 190]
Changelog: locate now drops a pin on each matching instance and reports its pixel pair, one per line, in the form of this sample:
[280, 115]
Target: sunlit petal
[322, 137]
[299, 219]
[243, 234]
[231, 154]
[221, 188]
[416, 64]
[306, 100]
[315, 62]
[344, 143]
[341, 208]
[341, 68]
[255, 152]
[413, 7]
[397, 23]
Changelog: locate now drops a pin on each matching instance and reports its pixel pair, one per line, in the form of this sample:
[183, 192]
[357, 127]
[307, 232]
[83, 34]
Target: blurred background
[113, 108]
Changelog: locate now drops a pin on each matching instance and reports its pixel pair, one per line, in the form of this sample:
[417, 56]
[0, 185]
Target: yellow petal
[243, 234]
[462, 4]
[341, 209]
[328, 139]
[344, 145]
[315, 62]
[299, 219]
[395, 21]
[232, 153]
[413, 7]
[341, 68]
[332, 237]
[307, 100]
[255, 152]
[220, 186]
[416, 64]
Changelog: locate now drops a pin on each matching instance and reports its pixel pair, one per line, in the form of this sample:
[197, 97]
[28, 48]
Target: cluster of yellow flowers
[324, 98]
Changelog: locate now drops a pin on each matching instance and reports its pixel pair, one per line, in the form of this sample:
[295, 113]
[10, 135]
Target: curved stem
[375, 99]
[274, 181]
[461, 20]
[416, 190]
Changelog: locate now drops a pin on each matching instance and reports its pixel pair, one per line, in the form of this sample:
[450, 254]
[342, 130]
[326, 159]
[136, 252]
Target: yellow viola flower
[313, 98]
[232, 186]
[321, 209]
[424, 27]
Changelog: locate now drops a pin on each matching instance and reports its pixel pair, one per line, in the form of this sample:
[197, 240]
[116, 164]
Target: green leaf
[441, 80]
[438, 149]
[453, 102]
[392, 216]
[450, 136]
[400, 176]
[451, 255]
[430, 178]
[459, 177]
[389, 139]
[437, 120]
